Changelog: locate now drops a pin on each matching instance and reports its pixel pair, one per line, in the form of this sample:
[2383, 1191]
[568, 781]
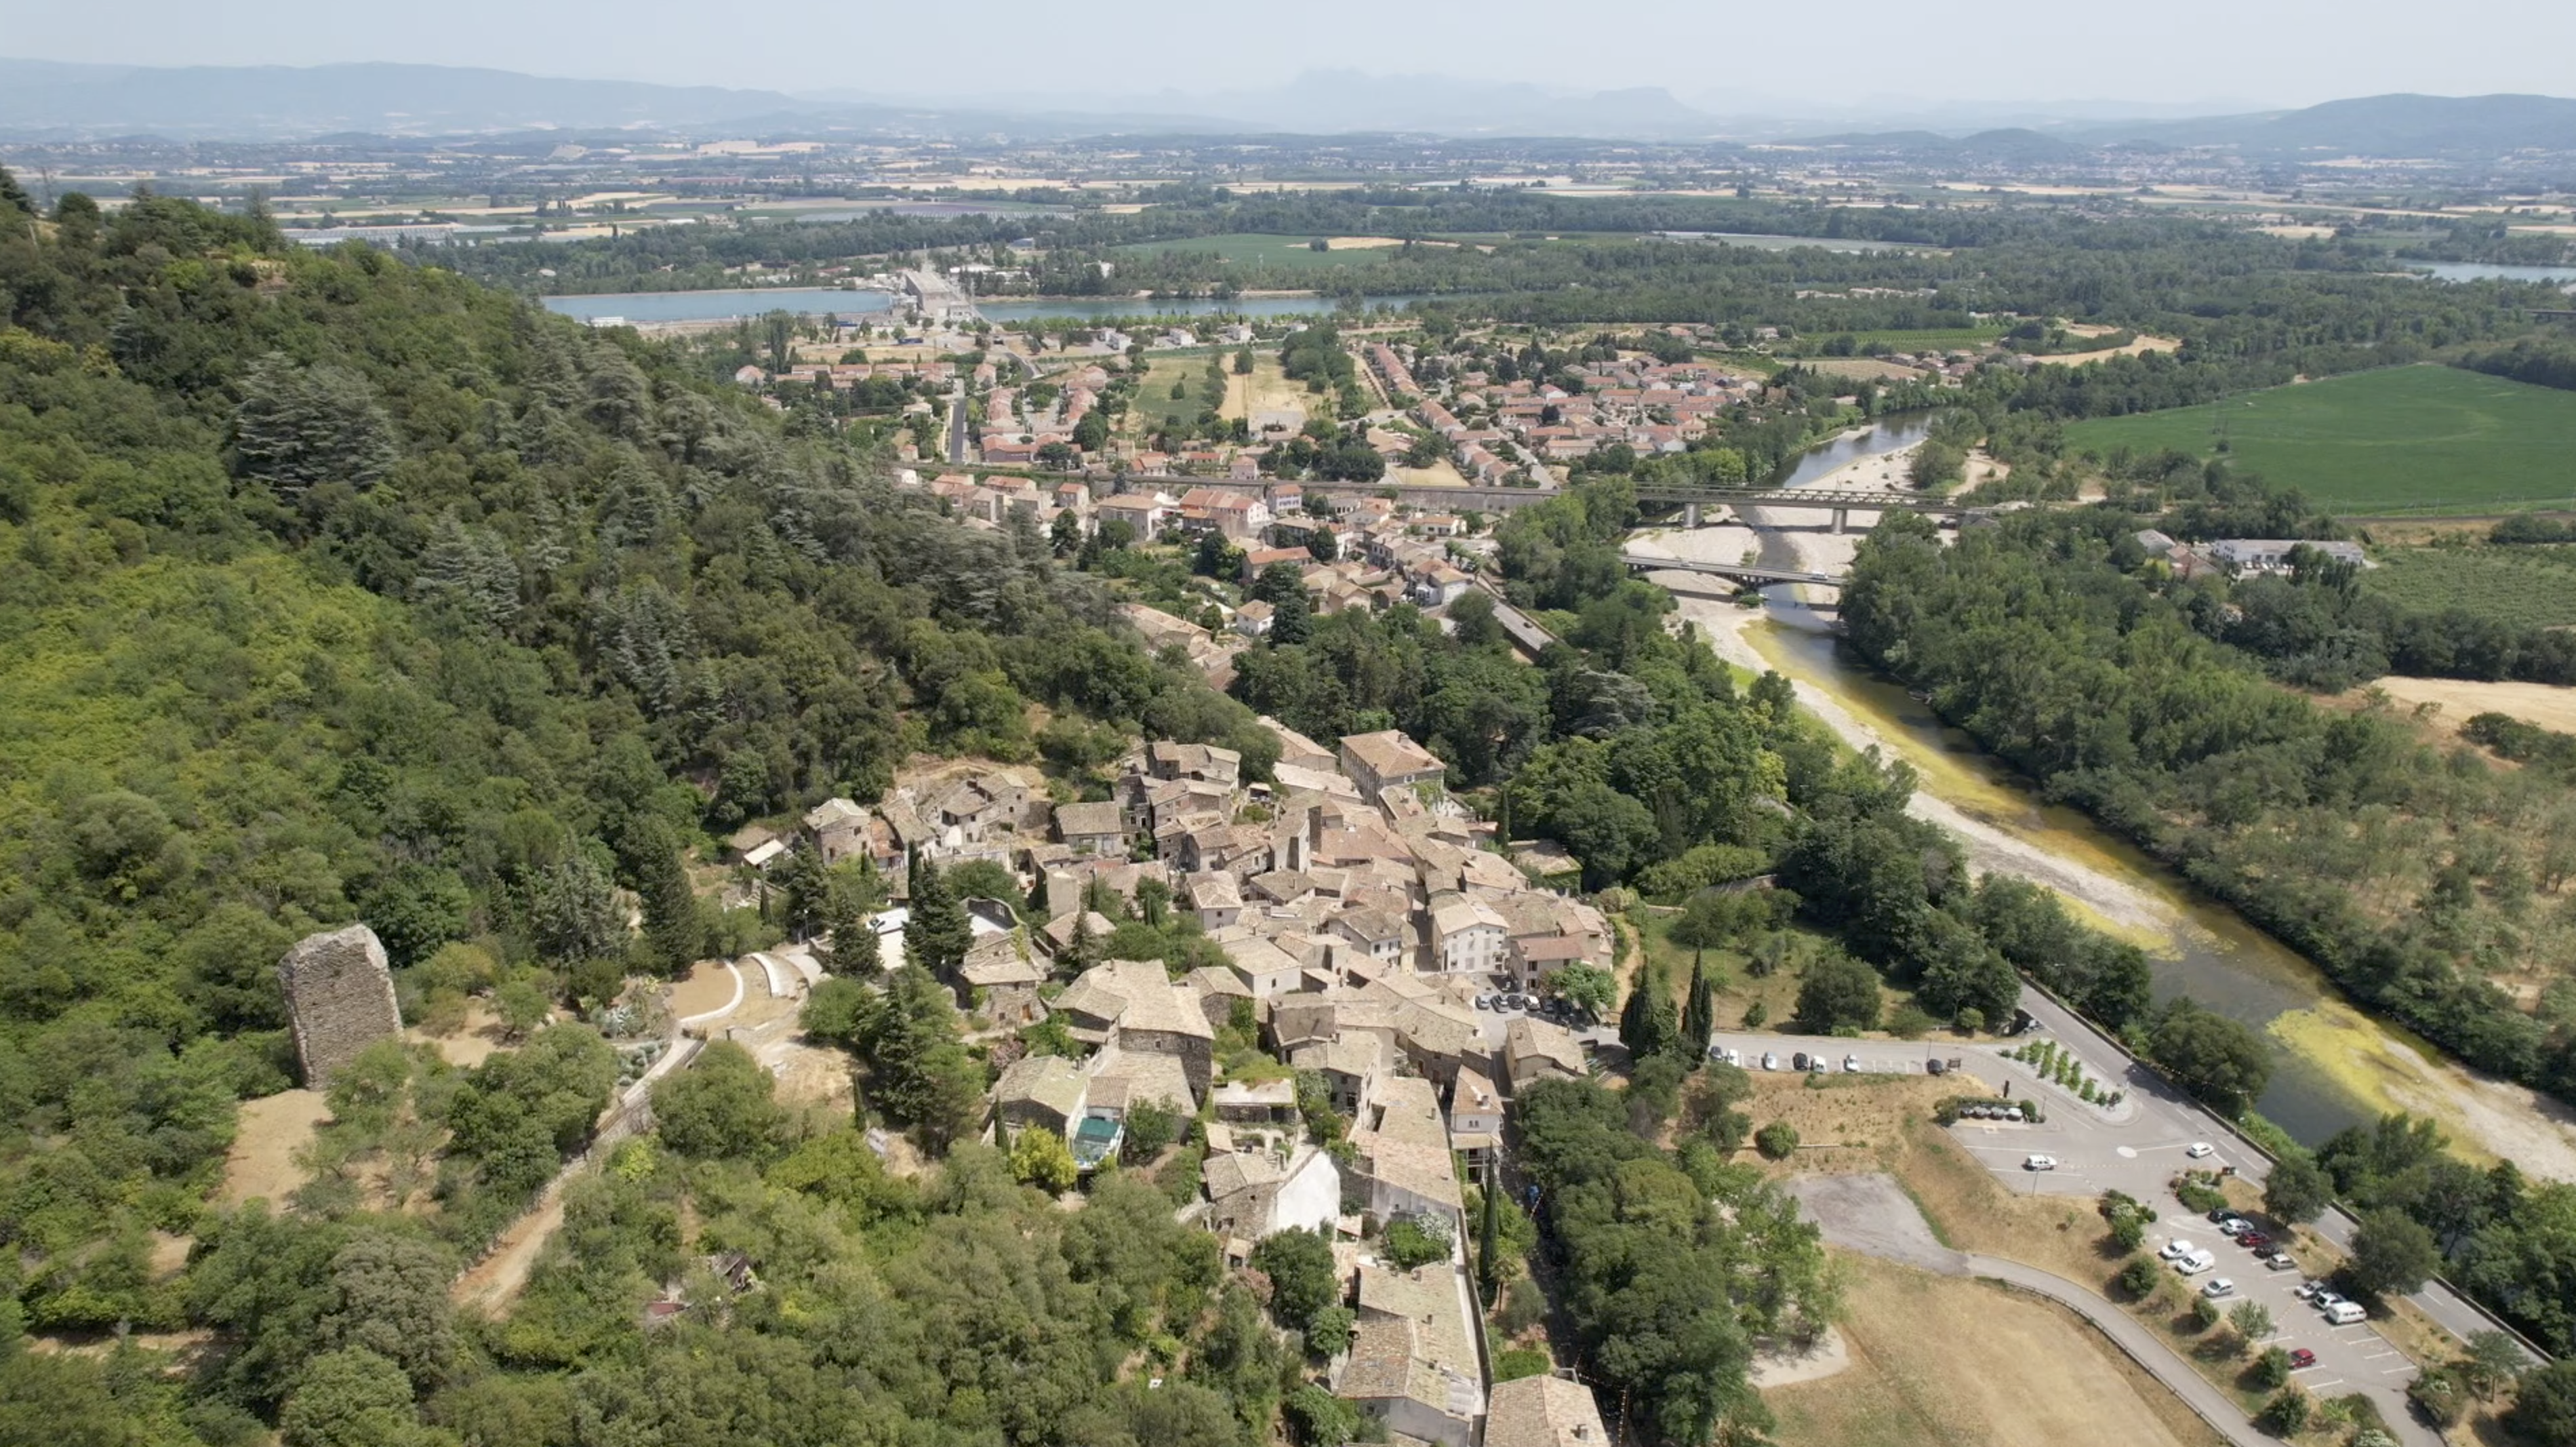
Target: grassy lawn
[2403, 439]
[1737, 987]
[1155, 406]
[2526, 586]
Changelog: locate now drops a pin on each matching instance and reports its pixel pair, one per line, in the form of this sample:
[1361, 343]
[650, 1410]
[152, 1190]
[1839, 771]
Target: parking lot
[2352, 1358]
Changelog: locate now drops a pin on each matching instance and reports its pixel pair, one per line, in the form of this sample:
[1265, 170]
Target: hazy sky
[1833, 54]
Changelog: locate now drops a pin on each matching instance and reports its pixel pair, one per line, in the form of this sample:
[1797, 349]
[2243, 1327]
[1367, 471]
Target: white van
[2345, 1313]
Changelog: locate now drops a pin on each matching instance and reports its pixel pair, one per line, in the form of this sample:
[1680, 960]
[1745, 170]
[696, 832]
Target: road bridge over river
[1740, 572]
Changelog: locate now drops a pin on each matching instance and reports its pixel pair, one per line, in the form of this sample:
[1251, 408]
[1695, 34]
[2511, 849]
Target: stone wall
[340, 994]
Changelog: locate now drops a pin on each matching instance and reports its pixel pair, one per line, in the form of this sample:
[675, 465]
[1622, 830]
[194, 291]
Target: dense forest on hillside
[342, 589]
[2425, 884]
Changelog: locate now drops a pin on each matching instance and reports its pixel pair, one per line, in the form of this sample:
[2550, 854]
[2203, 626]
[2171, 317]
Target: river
[2493, 271]
[2334, 1066]
[716, 306]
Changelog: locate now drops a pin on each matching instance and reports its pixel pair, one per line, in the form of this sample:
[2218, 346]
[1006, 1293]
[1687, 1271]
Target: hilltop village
[1373, 944]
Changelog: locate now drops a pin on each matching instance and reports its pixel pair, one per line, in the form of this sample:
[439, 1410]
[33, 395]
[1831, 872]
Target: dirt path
[497, 1279]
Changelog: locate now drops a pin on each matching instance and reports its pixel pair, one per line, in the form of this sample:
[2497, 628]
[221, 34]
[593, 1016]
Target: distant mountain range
[46, 99]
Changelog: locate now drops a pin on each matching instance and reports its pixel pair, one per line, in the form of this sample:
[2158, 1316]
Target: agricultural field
[2400, 440]
[2527, 587]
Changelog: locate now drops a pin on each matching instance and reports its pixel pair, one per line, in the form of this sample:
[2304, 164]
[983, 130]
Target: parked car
[1770, 1061]
[2346, 1313]
[1933, 1067]
[2301, 1358]
[2198, 1149]
[2221, 1215]
[2328, 1300]
[1798, 1060]
[1484, 1002]
[2254, 1241]
[2219, 1287]
[1816, 1063]
[2307, 1290]
[2279, 1261]
[2233, 1226]
[2177, 1249]
[1851, 1065]
[2039, 1163]
[2196, 1263]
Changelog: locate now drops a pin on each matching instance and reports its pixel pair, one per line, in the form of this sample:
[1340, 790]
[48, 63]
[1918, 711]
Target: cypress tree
[937, 935]
[1489, 1271]
[1699, 1015]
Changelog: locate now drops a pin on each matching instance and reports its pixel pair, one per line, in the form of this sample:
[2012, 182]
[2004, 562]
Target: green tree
[721, 1106]
[1040, 1158]
[1648, 1025]
[1836, 990]
[675, 927]
[1699, 1013]
[2213, 1057]
[1317, 1418]
[1303, 1282]
[1586, 987]
[298, 427]
[2544, 1406]
[1777, 1141]
[937, 935]
[353, 1398]
[389, 1297]
[2251, 1319]
[2392, 1254]
[2298, 1190]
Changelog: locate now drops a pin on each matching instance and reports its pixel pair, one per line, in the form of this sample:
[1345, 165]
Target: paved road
[1872, 1214]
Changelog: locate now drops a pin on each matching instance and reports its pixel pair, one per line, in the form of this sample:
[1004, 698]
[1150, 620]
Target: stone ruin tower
[341, 994]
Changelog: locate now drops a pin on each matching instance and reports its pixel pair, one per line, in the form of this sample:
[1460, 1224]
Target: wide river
[717, 306]
[2334, 1066]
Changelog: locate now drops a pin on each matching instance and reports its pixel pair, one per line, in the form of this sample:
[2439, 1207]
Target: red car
[2253, 1240]
[2302, 1357]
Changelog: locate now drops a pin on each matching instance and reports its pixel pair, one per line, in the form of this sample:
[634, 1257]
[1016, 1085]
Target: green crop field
[2530, 587]
[2401, 440]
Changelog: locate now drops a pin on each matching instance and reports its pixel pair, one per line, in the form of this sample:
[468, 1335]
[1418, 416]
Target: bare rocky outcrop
[340, 993]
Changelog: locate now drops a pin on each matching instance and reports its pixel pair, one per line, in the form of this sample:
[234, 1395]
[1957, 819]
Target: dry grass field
[1938, 1360]
[2461, 699]
[269, 1133]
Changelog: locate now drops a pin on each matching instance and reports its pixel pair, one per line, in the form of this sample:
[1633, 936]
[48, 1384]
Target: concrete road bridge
[1740, 572]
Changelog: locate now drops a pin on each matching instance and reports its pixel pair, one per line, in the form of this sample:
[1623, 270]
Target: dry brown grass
[2459, 699]
[1941, 1360]
[268, 1135]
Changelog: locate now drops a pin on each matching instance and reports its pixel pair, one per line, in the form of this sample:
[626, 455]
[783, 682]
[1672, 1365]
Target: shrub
[1413, 1241]
[2286, 1415]
[2204, 1313]
[2435, 1394]
[1328, 1332]
[2272, 1369]
[2140, 1278]
[1777, 1141]
[1513, 1363]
